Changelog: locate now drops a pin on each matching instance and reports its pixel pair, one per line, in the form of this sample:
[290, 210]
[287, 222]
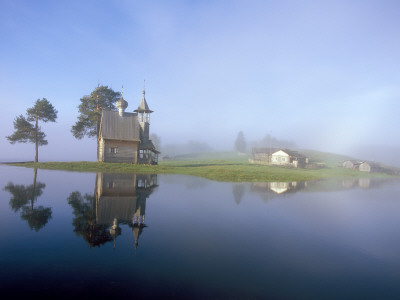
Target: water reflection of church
[121, 199]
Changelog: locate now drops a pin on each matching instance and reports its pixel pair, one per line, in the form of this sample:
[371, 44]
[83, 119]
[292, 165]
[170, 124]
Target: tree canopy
[43, 110]
[25, 131]
[88, 122]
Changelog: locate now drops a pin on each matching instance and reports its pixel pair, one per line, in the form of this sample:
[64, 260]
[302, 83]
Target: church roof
[116, 127]
[143, 107]
[148, 145]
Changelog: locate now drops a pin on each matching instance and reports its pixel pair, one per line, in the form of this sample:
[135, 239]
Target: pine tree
[88, 123]
[26, 132]
[240, 143]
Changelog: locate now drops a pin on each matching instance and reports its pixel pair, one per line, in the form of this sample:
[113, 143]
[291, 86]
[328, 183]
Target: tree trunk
[98, 147]
[33, 190]
[97, 135]
[36, 140]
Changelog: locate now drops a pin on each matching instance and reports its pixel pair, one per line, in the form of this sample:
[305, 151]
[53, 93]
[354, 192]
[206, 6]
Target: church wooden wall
[127, 152]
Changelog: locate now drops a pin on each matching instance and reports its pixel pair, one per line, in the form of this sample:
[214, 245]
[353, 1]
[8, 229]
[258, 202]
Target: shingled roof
[294, 153]
[116, 127]
[148, 145]
[143, 107]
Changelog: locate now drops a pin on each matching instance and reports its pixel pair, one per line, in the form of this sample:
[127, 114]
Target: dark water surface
[88, 235]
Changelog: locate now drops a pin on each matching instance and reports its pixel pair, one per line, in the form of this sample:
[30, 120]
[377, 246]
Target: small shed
[351, 164]
[262, 155]
[369, 167]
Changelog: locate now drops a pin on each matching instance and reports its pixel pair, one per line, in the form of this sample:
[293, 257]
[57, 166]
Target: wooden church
[125, 137]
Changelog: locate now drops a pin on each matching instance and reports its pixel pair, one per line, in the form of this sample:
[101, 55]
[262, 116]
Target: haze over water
[173, 236]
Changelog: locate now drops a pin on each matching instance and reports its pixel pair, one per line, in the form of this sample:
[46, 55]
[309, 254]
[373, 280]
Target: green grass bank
[222, 167]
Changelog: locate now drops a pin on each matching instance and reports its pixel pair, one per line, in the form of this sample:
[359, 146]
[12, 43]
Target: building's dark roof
[274, 150]
[372, 164]
[353, 161]
[148, 145]
[292, 153]
[143, 107]
[116, 127]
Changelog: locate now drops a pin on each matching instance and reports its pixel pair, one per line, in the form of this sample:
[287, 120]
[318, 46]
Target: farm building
[351, 164]
[370, 167]
[261, 155]
[289, 158]
[282, 157]
[124, 136]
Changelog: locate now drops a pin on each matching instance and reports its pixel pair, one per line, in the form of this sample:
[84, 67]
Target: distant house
[351, 164]
[370, 167]
[282, 157]
[289, 158]
[124, 137]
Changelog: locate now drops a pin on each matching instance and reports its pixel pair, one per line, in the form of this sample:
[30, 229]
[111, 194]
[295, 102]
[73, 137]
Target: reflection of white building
[269, 190]
[364, 182]
[353, 182]
[282, 187]
[279, 187]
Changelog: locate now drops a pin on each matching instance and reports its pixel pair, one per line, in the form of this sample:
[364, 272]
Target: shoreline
[217, 170]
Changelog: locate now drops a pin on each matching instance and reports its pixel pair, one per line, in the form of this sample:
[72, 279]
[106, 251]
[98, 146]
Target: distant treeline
[273, 142]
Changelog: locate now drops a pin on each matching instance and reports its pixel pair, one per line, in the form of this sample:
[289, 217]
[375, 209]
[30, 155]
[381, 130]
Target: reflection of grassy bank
[220, 170]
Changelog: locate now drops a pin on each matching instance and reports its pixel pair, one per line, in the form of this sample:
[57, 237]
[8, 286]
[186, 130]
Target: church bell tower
[144, 112]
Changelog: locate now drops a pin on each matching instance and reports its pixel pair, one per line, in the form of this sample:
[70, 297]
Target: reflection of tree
[238, 192]
[85, 220]
[37, 217]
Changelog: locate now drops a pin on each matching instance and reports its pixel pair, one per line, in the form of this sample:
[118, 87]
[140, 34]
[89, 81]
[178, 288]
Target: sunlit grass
[220, 170]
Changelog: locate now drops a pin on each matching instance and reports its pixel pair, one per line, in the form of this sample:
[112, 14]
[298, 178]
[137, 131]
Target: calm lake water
[88, 235]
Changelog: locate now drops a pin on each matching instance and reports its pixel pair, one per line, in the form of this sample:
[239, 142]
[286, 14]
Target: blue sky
[324, 74]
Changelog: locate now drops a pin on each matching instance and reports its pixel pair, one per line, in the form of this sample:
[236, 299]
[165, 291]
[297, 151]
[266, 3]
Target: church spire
[143, 107]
